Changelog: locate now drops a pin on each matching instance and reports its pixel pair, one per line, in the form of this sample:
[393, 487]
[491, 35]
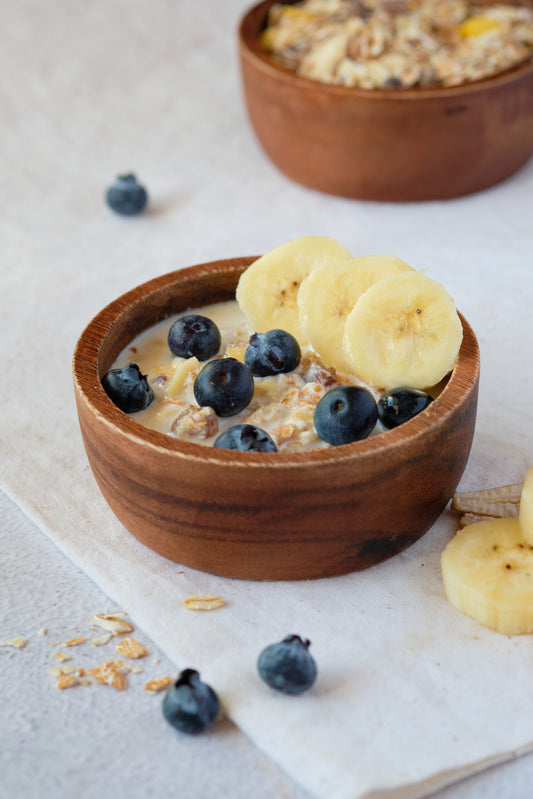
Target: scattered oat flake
[18, 643]
[203, 602]
[111, 622]
[131, 648]
[110, 673]
[66, 681]
[102, 640]
[62, 656]
[80, 672]
[159, 684]
[74, 641]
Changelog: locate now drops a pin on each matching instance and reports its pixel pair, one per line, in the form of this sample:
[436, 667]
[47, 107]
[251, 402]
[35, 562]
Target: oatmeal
[283, 405]
[382, 44]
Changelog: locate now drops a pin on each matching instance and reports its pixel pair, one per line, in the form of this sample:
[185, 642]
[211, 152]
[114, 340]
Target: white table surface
[97, 742]
[101, 743]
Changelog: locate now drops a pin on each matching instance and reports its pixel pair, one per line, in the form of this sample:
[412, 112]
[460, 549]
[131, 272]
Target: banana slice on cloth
[327, 295]
[487, 569]
[268, 288]
[404, 330]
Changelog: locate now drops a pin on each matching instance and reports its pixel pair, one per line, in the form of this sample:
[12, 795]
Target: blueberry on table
[345, 414]
[288, 666]
[194, 336]
[272, 353]
[225, 385]
[245, 438]
[126, 196]
[128, 388]
[400, 404]
[190, 705]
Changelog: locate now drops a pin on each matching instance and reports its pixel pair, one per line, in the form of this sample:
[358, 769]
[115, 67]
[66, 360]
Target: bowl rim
[462, 381]
[250, 48]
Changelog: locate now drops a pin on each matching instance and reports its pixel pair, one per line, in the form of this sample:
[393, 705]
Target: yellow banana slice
[327, 295]
[404, 330]
[268, 289]
[487, 571]
[525, 514]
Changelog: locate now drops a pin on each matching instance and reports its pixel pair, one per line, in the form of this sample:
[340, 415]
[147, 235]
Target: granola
[384, 44]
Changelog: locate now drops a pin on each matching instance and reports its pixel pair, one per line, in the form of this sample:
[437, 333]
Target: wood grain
[388, 145]
[276, 516]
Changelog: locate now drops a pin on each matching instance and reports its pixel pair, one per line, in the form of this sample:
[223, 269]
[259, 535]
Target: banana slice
[487, 571]
[268, 289]
[525, 514]
[327, 295]
[404, 330]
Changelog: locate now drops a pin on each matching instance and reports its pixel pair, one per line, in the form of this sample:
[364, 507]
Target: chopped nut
[203, 602]
[42, 632]
[131, 648]
[159, 684]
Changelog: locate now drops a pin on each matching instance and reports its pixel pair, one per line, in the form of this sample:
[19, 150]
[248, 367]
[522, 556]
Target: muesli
[394, 44]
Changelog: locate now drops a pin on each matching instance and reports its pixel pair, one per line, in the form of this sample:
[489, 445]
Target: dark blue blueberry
[194, 335]
[272, 353]
[400, 404]
[190, 705]
[345, 414]
[126, 196]
[225, 385]
[128, 388]
[245, 438]
[287, 666]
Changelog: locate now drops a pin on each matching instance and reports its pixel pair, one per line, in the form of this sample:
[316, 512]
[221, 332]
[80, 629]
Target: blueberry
[225, 385]
[126, 196]
[272, 353]
[128, 388]
[345, 414]
[400, 404]
[245, 438]
[194, 335]
[190, 705]
[287, 666]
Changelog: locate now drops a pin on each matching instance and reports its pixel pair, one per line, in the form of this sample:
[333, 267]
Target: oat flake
[157, 685]
[203, 602]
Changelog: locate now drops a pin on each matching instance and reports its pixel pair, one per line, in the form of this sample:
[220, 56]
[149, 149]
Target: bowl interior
[117, 324]
[254, 21]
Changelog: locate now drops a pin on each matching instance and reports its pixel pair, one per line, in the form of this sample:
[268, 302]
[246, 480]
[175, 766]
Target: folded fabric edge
[437, 782]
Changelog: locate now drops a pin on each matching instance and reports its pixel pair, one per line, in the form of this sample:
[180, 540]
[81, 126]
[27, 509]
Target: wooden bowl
[389, 145]
[276, 516]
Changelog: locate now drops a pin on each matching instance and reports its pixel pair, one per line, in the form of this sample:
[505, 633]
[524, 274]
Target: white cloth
[410, 694]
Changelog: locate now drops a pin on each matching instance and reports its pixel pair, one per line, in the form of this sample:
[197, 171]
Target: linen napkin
[411, 695]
